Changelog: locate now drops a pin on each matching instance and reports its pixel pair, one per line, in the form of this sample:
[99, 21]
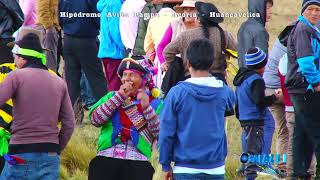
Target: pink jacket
[29, 10]
[166, 39]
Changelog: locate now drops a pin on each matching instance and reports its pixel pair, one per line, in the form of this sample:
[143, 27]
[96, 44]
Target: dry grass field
[81, 149]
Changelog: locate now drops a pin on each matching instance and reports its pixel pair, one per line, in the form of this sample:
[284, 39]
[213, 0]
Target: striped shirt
[126, 150]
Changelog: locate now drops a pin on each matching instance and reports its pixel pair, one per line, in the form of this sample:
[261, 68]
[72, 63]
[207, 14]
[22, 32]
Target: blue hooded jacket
[192, 129]
[111, 45]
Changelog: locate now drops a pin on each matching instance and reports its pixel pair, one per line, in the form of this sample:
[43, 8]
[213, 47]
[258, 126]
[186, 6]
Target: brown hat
[172, 1]
[22, 32]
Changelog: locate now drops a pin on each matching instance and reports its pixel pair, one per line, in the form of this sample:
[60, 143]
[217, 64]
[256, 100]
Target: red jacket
[287, 100]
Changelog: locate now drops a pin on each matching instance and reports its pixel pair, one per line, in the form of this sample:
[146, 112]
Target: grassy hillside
[75, 159]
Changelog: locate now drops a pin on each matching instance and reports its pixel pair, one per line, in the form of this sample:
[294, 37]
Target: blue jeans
[269, 126]
[44, 166]
[86, 94]
[182, 176]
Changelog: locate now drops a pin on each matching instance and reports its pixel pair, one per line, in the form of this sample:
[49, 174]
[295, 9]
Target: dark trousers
[5, 52]
[306, 133]
[102, 168]
[81, 53]
[59, 50]
[2, 162]
[254, 142]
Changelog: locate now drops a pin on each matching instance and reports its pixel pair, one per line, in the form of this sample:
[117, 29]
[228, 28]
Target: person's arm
[230, 102]
[166, 39]
[101, 114]
[153, 120]
[305, 57]
[8, 87]
[148, 41]
[261, 40]
[44, 14]
[236, 108]
[15, 12]
[168, 128]
[67, 117]
[60, 5]
[93, 7]
[141, 33]
[173, 48]
[115, 24]
[125, 23]
[26, 8]
[278, 50]
[258, 94]
[231, 43]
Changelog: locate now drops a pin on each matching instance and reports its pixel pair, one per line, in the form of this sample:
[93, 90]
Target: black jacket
[174, 74]
[299, 48]
[11, 18]
[79, 26]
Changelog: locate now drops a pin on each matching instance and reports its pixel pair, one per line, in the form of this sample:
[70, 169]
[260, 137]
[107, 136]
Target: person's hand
[144, 98]
[167, 175]
[279, 94]
[164, 67]
[126, 89]
[317, 88]
[48, 30]
[151, 55]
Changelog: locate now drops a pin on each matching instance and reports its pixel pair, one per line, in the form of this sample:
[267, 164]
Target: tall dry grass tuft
[64, 174]
[80, 150]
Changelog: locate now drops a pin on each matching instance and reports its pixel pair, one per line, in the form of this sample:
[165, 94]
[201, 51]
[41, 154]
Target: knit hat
[255, 58]
[29, 47]
[307, 3]
[142, 66]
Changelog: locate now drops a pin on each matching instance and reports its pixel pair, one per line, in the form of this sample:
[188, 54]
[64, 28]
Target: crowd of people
[153, 76]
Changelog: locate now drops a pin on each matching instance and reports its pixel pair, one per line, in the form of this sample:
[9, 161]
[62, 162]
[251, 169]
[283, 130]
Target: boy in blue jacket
[252, 104]
[193, 118]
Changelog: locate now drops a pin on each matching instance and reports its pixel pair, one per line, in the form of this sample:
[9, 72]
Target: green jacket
[107, 136]
[144, 18]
